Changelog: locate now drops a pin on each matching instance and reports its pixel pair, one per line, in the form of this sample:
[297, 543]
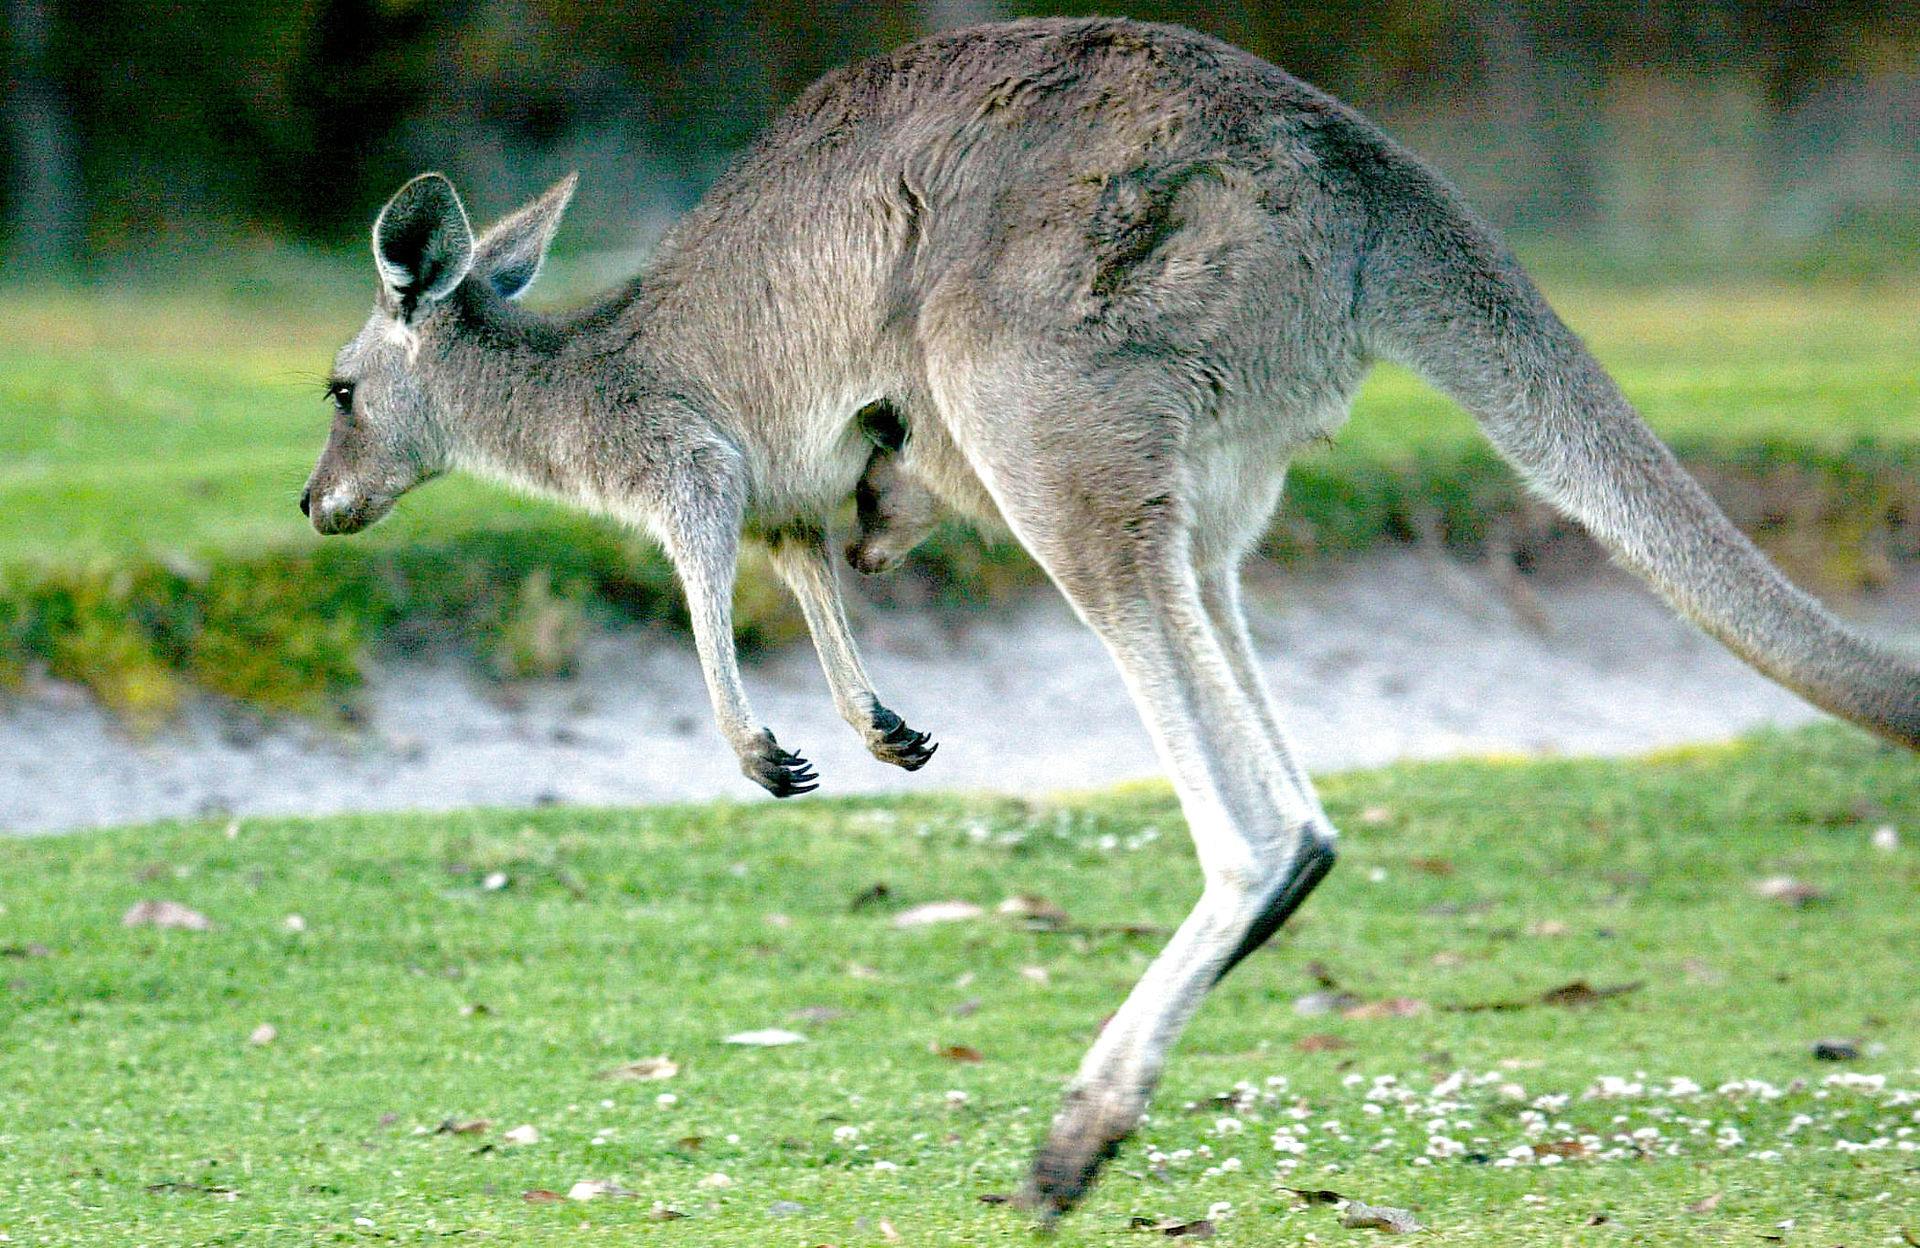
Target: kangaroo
[1091, 280]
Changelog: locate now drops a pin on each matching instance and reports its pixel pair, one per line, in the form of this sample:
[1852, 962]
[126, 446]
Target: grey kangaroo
[1090, 280]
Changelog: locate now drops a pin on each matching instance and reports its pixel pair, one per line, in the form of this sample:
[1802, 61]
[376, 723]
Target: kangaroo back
[1440, 293]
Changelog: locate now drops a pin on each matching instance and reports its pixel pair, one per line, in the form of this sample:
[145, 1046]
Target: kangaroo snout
[338, 509]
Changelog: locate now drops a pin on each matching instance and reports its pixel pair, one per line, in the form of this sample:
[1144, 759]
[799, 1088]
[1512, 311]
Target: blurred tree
[131, 124]
[955, 14]
[47, 203]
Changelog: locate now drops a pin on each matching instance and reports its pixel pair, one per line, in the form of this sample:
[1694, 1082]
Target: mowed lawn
[144, 422]
[1559, 1003]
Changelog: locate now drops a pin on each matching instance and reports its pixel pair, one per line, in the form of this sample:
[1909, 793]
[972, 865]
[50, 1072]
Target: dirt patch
[1398, 656]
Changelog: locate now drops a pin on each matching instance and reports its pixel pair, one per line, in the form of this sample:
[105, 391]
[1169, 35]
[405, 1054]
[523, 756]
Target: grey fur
[1111, 277]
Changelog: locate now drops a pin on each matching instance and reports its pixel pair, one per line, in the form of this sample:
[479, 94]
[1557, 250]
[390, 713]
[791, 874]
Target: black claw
[899, 744]
[782, 773]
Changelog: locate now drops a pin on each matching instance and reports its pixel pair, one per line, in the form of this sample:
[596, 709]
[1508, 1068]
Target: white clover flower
[845, 1135]
[957, 1098]
[1228, 1126]
[1850, 1079]
[885, 1166]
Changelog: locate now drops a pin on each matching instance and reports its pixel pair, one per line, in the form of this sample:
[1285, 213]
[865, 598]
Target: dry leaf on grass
[937, 912]
[197, 1189]
[1321, 1042]
[1572, 995]
[1580, 992]
[1706, 1204]
[765, 1038]
[1317, 1195]
[958, 1052]
[1196, 1228]
[1572, 1150]
[1392, 1007]
[594, 1189]
[165, 914]
[872, 895]
[817, 1014]
[1835, 1049]
[887, 1232]
[1358, 1215]
[662, 1067]
[1786, 888]
[542, 1196]
[1324, 1002]
[455, 1126]
[662, 1212]
[1035, 911]
[994, 1198]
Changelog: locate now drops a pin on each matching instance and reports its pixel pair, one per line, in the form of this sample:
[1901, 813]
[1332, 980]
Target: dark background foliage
[136, 128]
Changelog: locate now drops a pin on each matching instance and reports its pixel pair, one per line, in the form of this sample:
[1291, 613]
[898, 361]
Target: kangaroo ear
[510, 254]
[422, 244]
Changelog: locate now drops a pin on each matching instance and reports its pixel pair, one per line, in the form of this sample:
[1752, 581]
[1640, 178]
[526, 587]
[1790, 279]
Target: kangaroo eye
[341, 392]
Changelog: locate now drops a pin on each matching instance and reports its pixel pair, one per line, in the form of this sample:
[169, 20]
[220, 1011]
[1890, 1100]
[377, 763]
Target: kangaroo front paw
[870, 558]
[1086, 1136]
[893, 742]
[780, 772]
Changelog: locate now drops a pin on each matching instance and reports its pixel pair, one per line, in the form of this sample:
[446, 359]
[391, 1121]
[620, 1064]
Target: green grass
[152, 446]
[131, 423]
[133, 1109]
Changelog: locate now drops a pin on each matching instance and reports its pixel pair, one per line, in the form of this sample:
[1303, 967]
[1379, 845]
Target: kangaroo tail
[1437, 291]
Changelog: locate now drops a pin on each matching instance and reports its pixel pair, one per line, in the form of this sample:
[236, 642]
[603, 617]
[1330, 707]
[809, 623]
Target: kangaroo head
[394, 414]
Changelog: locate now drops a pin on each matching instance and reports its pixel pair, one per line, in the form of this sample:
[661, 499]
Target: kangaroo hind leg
[1116, 539]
